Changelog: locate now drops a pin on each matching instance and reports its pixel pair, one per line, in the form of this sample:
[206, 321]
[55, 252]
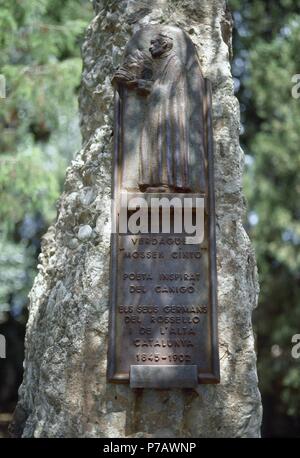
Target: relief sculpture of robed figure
[161, 94]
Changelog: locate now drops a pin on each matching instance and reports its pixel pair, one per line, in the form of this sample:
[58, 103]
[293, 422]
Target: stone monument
[65, 392]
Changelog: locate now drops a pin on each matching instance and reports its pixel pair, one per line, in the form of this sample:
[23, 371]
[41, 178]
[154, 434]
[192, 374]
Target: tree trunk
[64, 391]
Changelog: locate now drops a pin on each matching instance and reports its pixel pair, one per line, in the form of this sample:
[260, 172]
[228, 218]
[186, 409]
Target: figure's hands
[122, 76]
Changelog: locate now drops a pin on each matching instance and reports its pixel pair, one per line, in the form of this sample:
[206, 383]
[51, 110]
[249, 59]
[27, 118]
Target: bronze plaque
[163, 310]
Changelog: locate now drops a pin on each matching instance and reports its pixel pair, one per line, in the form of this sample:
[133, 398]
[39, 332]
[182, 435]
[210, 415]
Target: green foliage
[36, 31]
[270, 32]
[37, 98]
[39, 131]
[29, 185]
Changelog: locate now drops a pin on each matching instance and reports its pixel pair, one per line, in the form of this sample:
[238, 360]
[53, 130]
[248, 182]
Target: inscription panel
[163, 302]
[162, 312]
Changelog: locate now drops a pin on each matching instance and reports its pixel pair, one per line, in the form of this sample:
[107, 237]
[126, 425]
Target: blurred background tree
[40, 59]
[266, 50]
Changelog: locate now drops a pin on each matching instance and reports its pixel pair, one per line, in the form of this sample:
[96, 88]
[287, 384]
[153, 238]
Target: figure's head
[160, 44]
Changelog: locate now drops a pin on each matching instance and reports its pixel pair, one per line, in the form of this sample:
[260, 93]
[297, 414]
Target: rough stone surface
[64, 392]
